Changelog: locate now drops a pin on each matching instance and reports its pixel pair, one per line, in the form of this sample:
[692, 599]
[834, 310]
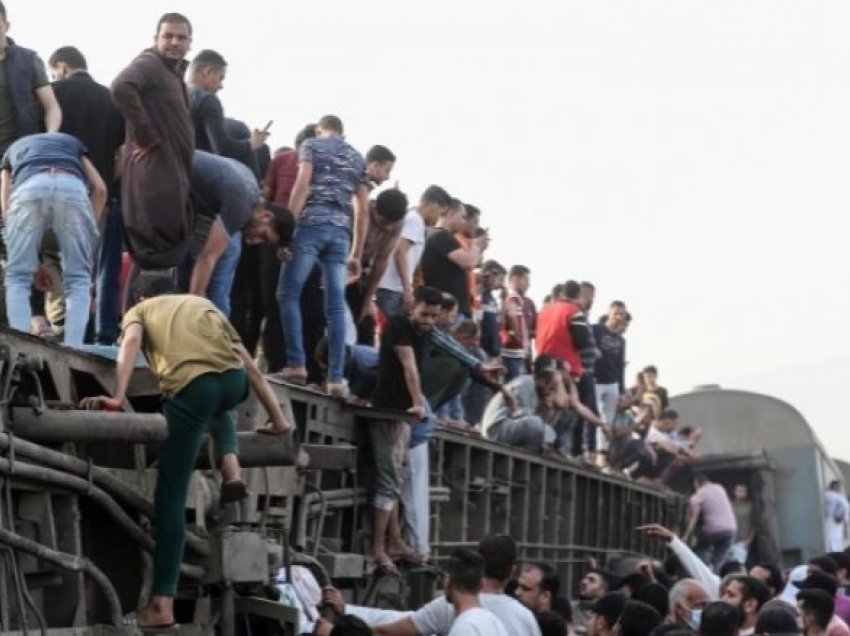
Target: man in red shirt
[562, 329]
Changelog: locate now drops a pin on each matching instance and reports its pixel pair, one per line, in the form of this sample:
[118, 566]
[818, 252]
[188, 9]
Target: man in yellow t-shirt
[204, 372]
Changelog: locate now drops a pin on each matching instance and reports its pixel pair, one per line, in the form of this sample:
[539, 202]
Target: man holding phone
[206, 78]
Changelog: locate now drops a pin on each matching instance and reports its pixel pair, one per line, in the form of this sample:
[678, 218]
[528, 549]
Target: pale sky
[689, 158]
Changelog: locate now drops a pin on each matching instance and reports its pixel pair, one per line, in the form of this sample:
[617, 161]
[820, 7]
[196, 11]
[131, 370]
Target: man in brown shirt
[151, 94]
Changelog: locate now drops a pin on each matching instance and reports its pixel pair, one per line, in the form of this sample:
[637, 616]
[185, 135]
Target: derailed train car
[767, 445]
[76, 490]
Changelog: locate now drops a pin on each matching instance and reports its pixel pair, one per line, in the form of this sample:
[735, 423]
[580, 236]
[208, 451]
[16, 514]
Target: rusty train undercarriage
[76, 493]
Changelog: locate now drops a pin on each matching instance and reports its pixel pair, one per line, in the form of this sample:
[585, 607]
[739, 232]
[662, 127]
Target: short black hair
[638, 619]
[656, 595]
[549, 580]
[543, 361]
[700, 478]
[720, 619]
[587, 285]
[557, 291]
[379, 153]
[174, 18]
[519, 270]
[609, 607]
[670, 414]
[731, 566]
[634, 581]
[350, 625]
[651, 369]
[436, 195]
[777, 620]
[308, 132]
[493, 266]
[842, 560]
[825, 563]
[428, 296]
[153, 283]
[465, 569]
[472, 211]
[391, 204]
[331, 122]
[70, 55]
[819, 604]
[551, 624]
[619, 304]
[752, 588]
[466, 328]
[500, 554]
[207, 59]
[447, 301]
[774, 579]
[572, 289]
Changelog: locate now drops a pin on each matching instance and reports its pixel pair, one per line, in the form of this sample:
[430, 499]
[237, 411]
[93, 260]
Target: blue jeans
[391, 303]
[59, 202]
[108, 312]
[513, 367]
[329, 245]
[221, 280]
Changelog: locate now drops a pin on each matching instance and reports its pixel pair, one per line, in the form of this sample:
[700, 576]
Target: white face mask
[694, 619]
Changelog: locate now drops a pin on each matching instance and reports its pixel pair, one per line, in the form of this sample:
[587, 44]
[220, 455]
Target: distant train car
[766, 444]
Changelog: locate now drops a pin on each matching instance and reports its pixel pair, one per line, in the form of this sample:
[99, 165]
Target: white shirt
[413, 230]
[438, 616]
[478, 622]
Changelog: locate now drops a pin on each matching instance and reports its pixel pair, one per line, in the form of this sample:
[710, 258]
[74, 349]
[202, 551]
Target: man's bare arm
[300, 189]
[52, 110]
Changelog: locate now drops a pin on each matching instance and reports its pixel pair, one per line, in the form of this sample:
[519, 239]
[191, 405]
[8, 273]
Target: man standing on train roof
[158, 155]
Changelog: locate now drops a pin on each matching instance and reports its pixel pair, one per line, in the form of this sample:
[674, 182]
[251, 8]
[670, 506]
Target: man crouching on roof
[204, 373]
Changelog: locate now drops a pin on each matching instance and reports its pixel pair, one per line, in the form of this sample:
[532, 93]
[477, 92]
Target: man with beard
[593, 587]
[158, 153]
[403, 346]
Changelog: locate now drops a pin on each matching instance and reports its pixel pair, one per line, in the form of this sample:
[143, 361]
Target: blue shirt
[338, 170]
[36, 153]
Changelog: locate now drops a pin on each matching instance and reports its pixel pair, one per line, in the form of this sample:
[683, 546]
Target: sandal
[384, 564]
[409, 556]
[131, 620]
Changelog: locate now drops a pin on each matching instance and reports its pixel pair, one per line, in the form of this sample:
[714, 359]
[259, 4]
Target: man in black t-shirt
[403, 346]
[445, 262]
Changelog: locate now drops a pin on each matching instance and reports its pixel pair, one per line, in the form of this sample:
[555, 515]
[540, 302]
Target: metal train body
[76, 490]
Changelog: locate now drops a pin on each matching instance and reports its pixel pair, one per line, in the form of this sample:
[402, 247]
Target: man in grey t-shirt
[522, 426]
[226, 199]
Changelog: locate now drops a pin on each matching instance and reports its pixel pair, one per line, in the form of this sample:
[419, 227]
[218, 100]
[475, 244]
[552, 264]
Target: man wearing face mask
[687, 600]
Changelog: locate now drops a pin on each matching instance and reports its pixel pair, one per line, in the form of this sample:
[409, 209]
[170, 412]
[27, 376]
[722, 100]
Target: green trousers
[205, 404]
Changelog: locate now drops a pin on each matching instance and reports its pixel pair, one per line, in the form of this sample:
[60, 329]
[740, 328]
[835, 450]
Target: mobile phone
[268, 125]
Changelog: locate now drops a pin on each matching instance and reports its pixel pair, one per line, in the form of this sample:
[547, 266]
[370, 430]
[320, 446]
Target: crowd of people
[489, 591]
[304, 257]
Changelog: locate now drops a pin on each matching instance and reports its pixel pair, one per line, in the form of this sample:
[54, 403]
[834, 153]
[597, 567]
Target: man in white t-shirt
[462, 583]
[395, 289]
[437, 617]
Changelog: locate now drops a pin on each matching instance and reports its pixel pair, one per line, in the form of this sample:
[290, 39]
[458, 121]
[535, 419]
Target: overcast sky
[690, 158]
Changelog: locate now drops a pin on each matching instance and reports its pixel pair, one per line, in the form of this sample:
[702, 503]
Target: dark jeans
[366, 328]
[254, 310]
[108, 311]
[205, 404]
[715, 544]
[586, 386]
